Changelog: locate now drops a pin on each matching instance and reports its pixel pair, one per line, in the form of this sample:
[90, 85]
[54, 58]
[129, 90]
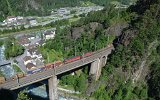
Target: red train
[88, 54]
[72, 59]
[58, 63]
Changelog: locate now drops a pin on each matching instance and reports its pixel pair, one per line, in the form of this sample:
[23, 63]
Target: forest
[132, 70]
[12, 48]
[136, 53]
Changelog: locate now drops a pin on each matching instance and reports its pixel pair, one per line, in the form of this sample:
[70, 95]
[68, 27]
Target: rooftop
[30, 66]
[31, 47]
[26, 58]
[23, 40]
[48, 32]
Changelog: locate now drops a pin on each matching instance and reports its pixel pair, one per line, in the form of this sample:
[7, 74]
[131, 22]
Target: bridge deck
[33, 78]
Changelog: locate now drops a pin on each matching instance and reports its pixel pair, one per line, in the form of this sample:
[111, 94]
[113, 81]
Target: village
[57, 14]
[31, 58]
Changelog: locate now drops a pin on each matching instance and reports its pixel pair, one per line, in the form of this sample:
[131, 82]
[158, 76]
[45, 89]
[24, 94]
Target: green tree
[23, 96]
[154, 82]
[81, 83]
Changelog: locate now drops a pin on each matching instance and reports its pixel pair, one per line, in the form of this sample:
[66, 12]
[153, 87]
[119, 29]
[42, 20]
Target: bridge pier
[52, 83]
[96, 67]
[104, 61]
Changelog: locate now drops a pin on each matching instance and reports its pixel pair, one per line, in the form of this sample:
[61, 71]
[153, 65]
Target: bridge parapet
[36, 77]
[9, 84]
[33, 78]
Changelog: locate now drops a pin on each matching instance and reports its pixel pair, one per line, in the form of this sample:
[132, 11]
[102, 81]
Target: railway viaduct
[97, 60]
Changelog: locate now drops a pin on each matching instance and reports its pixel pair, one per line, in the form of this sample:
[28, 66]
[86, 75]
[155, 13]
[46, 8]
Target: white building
[30, 66]
[19, 17]
[31, 37]
[33, 22]
[11, 19]
[27, 59]
[63, 11]
[49, 35]
[34, 53]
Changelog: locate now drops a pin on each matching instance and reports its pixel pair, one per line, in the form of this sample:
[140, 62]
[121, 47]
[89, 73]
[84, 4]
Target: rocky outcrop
[34, 4]
[88, 29]
[76, 32]
[116, 29]
[127, 36]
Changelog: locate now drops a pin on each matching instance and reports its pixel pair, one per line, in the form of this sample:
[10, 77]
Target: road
[20, 61]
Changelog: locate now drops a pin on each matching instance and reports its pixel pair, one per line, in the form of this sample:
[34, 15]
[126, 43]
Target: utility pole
[75, 51]
[47, 57]
[95, 46]
[108, 39]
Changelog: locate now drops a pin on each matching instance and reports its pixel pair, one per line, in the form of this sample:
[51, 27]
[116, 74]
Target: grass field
[16, 68]
[71, 20]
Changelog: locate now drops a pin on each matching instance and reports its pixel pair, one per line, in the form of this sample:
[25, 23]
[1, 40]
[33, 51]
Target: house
[63, 11]
[19, 18]
[30, 66]
[21, 22]
[33, 46]
[31, 50]
[36, 57]
[34, 53]
[31, 36]
[39, 62]
[32, 22]
[38, 54]
[24, 41]
[40, 43]
[3, 23]
[27, 59]
[49, 34]
[11, 19]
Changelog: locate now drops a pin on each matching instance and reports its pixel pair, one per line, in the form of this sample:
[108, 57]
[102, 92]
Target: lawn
[16, 68]
[51, 55]
[73, 19]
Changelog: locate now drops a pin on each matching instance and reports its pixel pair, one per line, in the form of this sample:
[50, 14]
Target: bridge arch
[103, 61]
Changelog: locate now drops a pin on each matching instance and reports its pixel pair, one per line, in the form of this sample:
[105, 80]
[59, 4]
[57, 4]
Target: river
[38, 91]
[6, 70]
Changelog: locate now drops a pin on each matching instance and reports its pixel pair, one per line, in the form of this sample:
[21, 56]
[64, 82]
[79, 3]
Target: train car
[88, 54]
[49, 66]
[57, 63]
[36, 70]
[72, 59]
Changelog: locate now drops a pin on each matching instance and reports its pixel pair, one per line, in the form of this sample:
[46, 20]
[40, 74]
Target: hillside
[43, 7]
[132, 70]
